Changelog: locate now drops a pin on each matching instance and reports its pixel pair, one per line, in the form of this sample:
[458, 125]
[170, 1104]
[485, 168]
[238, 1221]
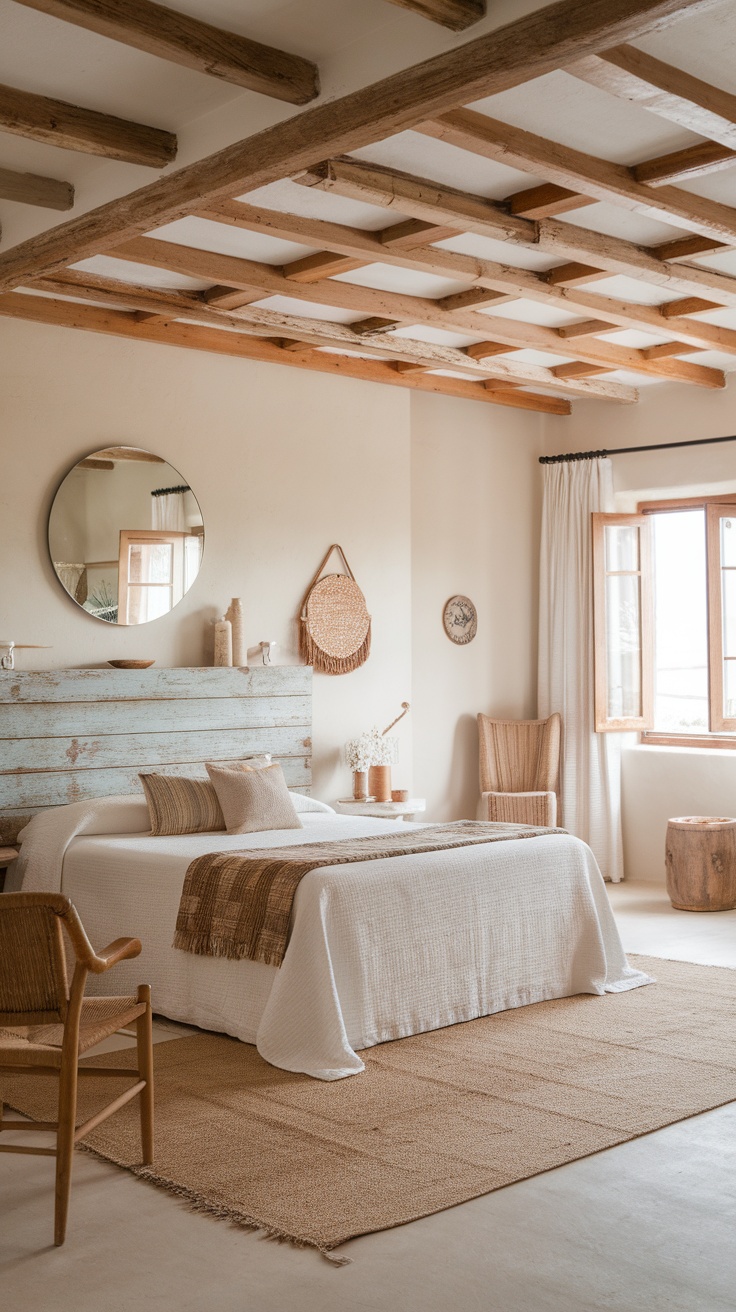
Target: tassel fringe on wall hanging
[334, 624]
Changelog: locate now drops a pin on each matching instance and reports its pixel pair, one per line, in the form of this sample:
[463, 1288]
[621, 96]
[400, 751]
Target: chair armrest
[119, 950]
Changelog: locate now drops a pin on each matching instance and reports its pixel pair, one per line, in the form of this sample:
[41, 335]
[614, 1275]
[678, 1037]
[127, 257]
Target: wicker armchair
[46, 1025]
[519, 769]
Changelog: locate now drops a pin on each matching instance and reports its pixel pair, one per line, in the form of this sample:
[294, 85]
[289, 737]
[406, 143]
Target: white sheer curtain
[167, 510]
[591, 762]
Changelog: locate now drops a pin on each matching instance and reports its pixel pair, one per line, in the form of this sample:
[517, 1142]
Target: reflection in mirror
[125, 535]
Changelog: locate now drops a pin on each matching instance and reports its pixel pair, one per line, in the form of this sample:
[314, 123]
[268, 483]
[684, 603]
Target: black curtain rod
[627, 450]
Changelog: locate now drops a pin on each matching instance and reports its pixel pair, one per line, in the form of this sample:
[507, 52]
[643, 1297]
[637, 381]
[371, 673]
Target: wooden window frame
[129, 536]
[623, 724]
[724, 736]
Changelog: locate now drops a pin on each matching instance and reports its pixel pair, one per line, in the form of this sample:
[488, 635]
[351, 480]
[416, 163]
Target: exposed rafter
[402, 309]
[433, 202]
[315, 332]
[64, 314]
[593, 177]
[57, 123]
[670, 92]
[491, 280]
[455, 14]
[549, 38]
[174, 36]
[31, 189]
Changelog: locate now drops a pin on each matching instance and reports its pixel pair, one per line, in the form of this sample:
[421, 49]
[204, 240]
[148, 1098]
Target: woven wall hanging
[334, 624]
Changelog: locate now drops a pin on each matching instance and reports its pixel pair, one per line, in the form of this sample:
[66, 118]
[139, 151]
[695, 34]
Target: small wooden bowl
[131, 665]
[399, 795]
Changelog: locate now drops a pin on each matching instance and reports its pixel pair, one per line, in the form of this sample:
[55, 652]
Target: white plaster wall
[283, 463]
[475, 530]
[660, 782]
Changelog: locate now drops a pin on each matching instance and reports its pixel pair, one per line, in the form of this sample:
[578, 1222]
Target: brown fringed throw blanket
[238, 904]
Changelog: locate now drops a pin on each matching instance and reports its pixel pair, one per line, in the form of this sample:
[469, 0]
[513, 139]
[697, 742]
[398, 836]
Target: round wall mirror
[125, 535]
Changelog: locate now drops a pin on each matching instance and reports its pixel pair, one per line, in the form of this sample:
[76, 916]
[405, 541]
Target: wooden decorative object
[223, 642]
[701, 863]
[131, 665]
[360, 785]
[334, 624]
[460, 619]
[70, 735]
[234, 614]
[379, 783]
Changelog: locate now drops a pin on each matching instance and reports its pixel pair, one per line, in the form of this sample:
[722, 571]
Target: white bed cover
[378, 950]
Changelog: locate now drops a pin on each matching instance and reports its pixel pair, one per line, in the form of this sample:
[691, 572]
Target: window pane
[622, 547]
[150, 562]
[729, 690]
[681, 622]
[728, 583]
[624, 653]
[728, 540]
[147, 603]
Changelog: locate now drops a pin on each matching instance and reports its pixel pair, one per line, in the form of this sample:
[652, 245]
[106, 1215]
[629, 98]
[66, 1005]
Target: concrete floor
[645, 1227]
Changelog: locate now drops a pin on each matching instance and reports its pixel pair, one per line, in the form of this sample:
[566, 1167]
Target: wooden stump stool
[701, 863]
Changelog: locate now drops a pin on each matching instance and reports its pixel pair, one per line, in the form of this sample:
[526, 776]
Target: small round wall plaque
[460, 619]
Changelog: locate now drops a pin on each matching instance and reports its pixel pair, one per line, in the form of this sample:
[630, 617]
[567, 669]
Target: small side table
[7, 856]
[701, 863]
[383, 810]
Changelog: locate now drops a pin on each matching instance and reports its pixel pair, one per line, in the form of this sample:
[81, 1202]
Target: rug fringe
[220, 1211]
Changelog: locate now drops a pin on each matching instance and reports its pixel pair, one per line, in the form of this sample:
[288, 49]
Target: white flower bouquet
[372, 748]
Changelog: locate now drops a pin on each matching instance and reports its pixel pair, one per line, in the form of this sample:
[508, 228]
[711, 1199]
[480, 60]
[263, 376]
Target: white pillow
[303, 804]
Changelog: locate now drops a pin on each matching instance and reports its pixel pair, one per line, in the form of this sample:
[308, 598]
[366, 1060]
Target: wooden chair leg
[144, 1036]
[65, 1145]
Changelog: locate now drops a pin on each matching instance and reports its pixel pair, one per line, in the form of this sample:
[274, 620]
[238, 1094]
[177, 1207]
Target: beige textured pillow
[253, 798]
[178, 805]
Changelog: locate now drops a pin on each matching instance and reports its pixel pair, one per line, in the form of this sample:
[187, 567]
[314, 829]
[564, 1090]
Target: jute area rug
[435, 1119]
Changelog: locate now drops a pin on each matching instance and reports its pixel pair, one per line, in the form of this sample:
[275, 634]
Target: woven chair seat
[41, 1044]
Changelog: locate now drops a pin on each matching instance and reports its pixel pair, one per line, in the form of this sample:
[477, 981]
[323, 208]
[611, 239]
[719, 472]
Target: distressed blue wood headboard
[68, 735]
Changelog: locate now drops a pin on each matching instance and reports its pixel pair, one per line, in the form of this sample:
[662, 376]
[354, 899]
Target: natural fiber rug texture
[435, 1120]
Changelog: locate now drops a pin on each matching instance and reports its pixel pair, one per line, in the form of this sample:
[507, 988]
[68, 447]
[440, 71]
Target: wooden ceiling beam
[406, 310]
[315, 332]
[31, 189]
[672, 93]
[684, 165]
[576, 369]
[455, 14]
[57, 123]
[664, 349]
[165, 32]
[424, 198]
[558, 287]
[324, 264]
[688, 306]
[687, 248]
[586, 328]
[412, 232]
[37, 309]
[546, 39]
[586, 174]
[544, 201]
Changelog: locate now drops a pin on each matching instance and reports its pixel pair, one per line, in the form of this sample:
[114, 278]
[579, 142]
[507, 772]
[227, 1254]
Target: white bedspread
[378, 950]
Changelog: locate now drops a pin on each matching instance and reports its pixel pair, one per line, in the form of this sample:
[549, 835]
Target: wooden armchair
[519, 769]
[46, 1026]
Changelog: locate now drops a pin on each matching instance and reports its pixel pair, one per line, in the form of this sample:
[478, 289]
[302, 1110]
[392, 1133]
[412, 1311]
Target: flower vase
[379, 783]
[360, 785]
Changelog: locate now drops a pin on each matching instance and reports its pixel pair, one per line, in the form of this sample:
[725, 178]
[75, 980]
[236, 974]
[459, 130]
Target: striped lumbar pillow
[178, 805]
[253, 798]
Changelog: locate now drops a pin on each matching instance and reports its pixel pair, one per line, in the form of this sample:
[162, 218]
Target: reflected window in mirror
[125, 535]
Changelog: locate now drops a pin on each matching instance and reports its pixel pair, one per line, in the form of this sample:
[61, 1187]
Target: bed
[377, 950]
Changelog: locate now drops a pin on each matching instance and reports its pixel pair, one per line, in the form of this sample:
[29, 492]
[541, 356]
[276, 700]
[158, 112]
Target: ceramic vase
[360, 785]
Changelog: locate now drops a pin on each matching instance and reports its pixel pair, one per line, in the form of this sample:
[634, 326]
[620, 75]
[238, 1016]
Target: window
[665, 621]
[151, 574]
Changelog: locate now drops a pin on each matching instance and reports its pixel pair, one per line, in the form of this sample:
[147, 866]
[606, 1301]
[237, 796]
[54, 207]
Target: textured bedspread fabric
[239, 904]
[378, 950]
